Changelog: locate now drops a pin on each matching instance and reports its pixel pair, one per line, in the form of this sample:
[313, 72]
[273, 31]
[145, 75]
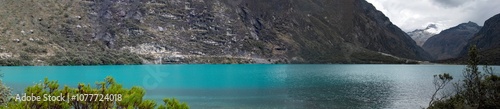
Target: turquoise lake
[258, 86]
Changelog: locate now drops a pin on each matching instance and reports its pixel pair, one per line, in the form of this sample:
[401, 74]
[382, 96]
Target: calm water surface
[258, 86]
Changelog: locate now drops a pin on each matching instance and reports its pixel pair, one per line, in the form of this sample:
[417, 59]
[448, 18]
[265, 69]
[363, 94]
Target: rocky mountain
[421, 35]
[83, 32]
[487, 40]
[450, 42]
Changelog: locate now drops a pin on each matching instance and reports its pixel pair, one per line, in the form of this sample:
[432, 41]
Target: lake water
[258, 86]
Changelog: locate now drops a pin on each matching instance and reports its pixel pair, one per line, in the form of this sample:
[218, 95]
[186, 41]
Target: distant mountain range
[450, 42]
[422, 35]
[83, 32]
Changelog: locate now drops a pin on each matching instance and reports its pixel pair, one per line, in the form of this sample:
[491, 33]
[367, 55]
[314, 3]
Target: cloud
[418, 14]
[451, 3]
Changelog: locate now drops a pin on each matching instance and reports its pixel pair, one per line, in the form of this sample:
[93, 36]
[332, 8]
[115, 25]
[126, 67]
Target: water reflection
[337, 87]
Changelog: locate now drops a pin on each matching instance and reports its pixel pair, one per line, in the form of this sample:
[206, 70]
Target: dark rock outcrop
[489, 36]
[487, 40]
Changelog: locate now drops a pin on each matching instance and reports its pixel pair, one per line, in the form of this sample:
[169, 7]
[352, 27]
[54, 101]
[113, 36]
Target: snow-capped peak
[432, 28]
[421, 35]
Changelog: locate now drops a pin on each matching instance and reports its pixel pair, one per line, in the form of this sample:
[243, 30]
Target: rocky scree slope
[85, 32]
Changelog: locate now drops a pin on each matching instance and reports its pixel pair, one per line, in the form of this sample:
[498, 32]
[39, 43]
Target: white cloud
[418, 14]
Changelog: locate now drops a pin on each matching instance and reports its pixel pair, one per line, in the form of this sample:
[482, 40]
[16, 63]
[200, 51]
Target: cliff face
[383, 36]
[200, 31]
[489, 36]
[487, 40]
[450, 42]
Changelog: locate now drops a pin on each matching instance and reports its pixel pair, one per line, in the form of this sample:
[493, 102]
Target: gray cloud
[451, 3]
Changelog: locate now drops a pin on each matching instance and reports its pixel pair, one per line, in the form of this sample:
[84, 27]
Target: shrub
[125, 98]
[12, 62]
[35, 50]
[174, 104]
[440, 82]
[25, 56]
[106, 57]
[4, 92]
[479, 89]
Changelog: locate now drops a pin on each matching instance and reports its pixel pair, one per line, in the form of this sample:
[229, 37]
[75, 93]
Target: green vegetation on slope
[54, 32]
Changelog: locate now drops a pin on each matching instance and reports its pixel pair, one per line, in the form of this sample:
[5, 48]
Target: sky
[418, 14]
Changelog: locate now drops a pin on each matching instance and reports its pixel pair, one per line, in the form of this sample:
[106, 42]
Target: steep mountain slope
[200, 31]
[487, 40]
[422, 35]
[450, 42]
[384, 36]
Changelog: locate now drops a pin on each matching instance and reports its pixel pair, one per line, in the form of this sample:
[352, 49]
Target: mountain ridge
[449, 43]
[487, 40]
[74, 32]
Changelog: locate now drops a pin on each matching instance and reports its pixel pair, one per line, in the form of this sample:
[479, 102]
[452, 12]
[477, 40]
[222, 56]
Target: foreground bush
[479, 90]
[123, 98]
[4, 92]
